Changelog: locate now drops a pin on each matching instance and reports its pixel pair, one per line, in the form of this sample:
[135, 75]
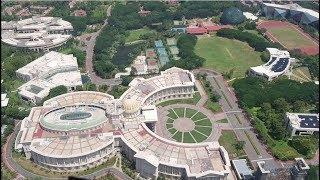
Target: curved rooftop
[36, 32]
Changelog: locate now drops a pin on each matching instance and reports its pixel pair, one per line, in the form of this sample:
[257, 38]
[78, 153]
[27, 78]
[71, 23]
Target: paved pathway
[237, 119]
[162, 131]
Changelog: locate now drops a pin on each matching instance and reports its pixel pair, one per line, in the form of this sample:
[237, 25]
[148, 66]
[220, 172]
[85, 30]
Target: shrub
[282, 151]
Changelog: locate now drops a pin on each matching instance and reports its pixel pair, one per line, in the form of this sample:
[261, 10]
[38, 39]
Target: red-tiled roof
[196, 30]
[38, 132]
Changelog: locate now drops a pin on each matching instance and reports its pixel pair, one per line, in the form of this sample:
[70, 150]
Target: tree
[126, 80]
[265, 56]
[239, 145]
[90, 87]
[299, 106]
[56, 91]
[281, 105]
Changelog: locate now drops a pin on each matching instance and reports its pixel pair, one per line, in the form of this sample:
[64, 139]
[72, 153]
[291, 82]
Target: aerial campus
[160, 90]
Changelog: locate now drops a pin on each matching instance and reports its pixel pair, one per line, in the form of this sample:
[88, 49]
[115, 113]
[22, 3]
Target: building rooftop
[295, 7]
[242, 169]
[4, 100]
[35, 32]
[303, 120]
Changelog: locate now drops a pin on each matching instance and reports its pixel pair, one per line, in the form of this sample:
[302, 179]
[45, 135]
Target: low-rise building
[36, 33]
[277, 65]
[242, 170]
[263, 172]
[3, 129]
[250, 16]
[302, 123]
[50, 70]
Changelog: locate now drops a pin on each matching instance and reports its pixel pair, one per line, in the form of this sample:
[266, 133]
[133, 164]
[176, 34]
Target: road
[238, 120]
[89, 57]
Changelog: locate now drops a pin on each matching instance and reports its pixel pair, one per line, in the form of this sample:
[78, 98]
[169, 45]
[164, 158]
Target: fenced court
[289, 36]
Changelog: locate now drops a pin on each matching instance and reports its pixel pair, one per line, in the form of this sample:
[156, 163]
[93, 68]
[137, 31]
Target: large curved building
[78, 130]
[36, 33]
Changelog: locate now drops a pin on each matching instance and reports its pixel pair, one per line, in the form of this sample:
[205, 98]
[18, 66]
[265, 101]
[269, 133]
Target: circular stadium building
[232, 16]
[36, 33]
[78, 130]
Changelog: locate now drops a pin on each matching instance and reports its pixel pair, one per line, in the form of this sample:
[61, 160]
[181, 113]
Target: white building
[4, 100]
[294, 11]
[102, 126]
[36, 33]
[250, 16]
[277, 65]
[302, 123]
[49, 71]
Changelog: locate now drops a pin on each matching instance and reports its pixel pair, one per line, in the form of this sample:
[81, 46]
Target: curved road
[89, 57]
[14, 166]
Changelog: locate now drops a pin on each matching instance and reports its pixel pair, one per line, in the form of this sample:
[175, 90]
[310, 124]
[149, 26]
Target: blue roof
[163, 60]
[162, 52]
[158, 43]
[280, 65]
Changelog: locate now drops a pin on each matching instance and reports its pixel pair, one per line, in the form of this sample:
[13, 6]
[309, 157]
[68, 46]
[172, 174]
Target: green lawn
[290, 37]
[205, 130]
[301, 74]
[223, 54]
[199, 137]
[194, 100]
[198, 116]
[187, 138]
[213, 106]
[168, 126]
[172, 114]
[178, 136]
[227, 140]
[205, 122]
[190, 112]
[172, 130]
[170, 120]
[134, 35]
[179, 112]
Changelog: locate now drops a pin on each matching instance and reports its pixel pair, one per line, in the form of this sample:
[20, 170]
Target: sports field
[290, 36]
[223, 54]
[188, 125]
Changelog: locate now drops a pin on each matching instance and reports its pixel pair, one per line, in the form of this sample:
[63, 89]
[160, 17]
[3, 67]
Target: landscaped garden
[229, 141]
[188, 125]
[224, 54]
[134, 35]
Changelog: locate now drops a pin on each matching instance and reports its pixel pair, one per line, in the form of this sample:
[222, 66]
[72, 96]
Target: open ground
[224, 54]
[290, 36]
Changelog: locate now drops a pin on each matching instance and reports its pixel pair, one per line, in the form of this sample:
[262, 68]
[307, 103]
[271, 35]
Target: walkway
[237, 119]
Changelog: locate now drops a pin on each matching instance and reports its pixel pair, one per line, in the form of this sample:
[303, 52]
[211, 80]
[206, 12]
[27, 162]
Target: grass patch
[170, 120]
[187, 138]
[204, 122]
[168, 126]
[290, 37]
[178, 136]
[172, 114]
[179, 112]
[222, 121]
[172, 130]
[197, 136]
[204, 130]
[194, 100]
[238, 119]
[190, 112]
[198, 116]
[227, 140]
[301, 74]
[252, 143]
[213, 106]
[134, 35]
[223, 54]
